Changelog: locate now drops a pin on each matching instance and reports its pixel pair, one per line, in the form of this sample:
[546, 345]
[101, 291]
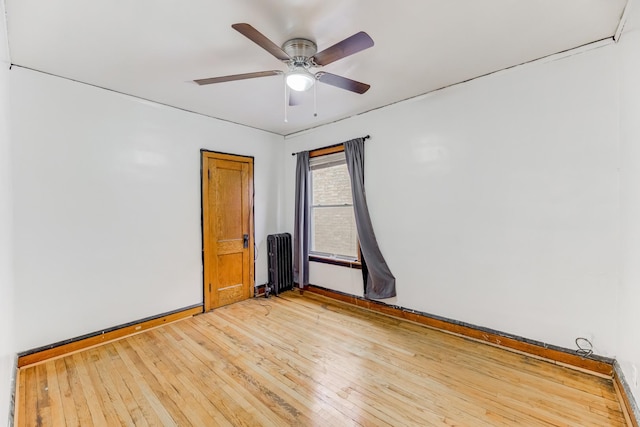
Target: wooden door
[227, 218]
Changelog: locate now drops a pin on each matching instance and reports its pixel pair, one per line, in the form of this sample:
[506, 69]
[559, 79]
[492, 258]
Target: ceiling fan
[301, 55]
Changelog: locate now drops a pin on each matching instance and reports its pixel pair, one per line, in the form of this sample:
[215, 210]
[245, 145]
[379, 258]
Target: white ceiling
[153, 49]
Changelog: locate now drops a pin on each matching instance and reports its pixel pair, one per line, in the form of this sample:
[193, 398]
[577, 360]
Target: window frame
[315, 257]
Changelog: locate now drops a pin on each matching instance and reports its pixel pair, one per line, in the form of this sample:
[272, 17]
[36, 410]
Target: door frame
[204, 213]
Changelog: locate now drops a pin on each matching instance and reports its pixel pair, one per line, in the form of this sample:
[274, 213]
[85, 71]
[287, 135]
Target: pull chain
[315, 99]
[285, 98]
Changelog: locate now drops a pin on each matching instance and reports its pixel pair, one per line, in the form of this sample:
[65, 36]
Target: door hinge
[209, 287]
[209, 174]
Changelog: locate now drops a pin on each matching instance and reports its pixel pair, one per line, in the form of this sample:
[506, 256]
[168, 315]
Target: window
[333, 226]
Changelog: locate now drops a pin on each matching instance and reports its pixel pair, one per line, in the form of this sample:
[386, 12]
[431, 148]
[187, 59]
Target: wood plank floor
[307, 361]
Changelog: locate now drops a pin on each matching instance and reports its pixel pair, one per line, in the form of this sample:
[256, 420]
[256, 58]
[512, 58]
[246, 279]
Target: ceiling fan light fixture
[300, 79]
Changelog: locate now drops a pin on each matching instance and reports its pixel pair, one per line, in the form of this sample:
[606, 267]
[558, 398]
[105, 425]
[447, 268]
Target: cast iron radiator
[280, 263]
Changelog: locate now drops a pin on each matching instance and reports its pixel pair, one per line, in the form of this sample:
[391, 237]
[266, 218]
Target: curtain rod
[334, 145]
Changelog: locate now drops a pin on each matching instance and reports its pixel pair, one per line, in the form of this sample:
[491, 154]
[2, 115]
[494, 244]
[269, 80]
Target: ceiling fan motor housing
[300, 51]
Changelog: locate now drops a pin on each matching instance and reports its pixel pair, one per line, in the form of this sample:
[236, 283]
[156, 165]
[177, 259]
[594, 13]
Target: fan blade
[295, 98]
[258, 38]
[237, 77]
[342, 82]
[349, 46]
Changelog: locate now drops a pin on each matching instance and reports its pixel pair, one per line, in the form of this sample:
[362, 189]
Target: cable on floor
[585, 348]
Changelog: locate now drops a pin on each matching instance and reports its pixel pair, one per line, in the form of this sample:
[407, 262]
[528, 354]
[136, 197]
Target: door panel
[227, 218]
[228, 185]
[229, 270]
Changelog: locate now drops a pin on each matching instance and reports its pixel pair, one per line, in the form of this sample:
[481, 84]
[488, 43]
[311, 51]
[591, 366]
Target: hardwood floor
[306, 360]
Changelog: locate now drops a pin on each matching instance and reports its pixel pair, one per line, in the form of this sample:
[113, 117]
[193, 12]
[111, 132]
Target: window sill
[335, 261]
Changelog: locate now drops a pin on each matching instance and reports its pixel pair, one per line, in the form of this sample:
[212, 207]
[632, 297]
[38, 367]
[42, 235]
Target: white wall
[496, 202]
[629, 301]
[107, 205]
[7, 345]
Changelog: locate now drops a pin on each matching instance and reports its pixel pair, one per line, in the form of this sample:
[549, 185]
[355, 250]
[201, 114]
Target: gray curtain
[301, 230]
[378, 280]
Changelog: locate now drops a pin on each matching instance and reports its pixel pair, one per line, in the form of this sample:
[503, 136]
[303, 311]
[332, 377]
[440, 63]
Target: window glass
[333, 227]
